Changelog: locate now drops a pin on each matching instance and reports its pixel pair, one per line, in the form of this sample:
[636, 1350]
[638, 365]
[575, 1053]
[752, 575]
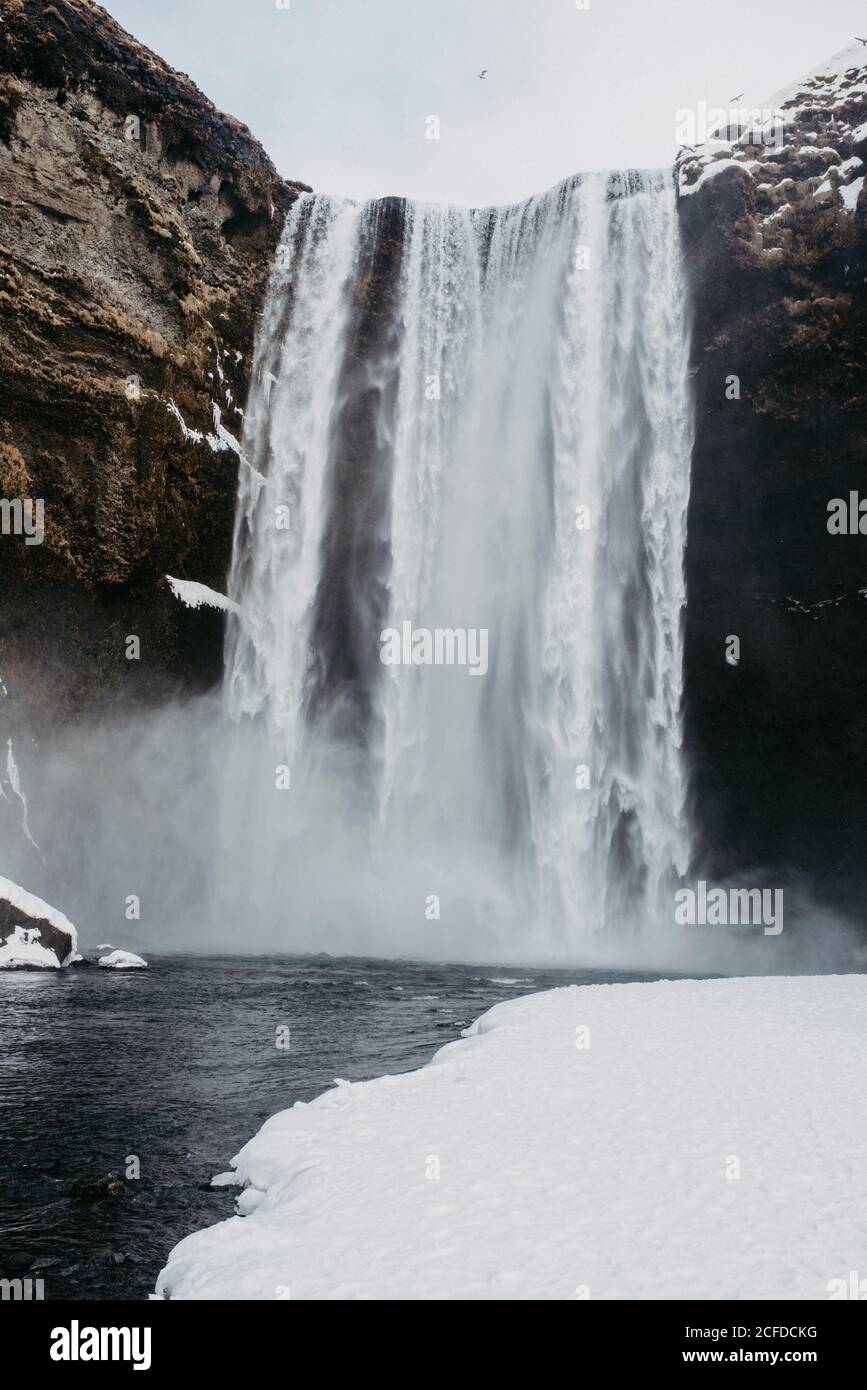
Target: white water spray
[465, 421]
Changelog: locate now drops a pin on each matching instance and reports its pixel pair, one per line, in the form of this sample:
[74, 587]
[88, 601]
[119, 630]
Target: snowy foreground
[523, 1163]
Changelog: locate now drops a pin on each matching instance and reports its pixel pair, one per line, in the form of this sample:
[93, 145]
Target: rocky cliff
[138, 228]
[775, 229]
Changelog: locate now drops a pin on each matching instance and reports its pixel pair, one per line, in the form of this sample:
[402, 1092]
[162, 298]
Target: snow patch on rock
[222, 438]
[195, 436]
[850, 193]
[195, 595]
[710, 171]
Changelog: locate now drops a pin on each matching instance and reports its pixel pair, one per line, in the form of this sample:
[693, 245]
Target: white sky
[338, 91]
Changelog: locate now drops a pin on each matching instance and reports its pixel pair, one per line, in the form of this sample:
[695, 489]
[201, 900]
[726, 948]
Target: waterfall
[472, 423]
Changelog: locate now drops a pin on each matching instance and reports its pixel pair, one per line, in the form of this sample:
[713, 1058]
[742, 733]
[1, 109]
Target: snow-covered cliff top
[832, 84]
[804, 148]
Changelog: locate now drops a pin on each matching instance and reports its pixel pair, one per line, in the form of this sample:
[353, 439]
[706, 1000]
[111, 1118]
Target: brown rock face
[138, 228]
[776, 245]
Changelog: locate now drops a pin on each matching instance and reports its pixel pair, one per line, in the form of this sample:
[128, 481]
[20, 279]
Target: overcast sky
[338, 91]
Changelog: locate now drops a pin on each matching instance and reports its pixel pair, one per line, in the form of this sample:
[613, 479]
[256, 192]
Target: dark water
[179, 1066]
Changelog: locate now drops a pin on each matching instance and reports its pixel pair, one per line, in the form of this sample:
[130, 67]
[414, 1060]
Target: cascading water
[475, 423]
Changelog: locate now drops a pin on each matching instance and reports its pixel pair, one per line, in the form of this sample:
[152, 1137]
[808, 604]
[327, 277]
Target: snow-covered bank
[690, 1139]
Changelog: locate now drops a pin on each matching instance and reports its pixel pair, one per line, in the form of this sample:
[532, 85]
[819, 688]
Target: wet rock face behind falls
[776, 251]
[138, 230]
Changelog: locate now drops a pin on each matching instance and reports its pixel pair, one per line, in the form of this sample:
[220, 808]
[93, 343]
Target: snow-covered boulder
[33, 934]
[122, 960]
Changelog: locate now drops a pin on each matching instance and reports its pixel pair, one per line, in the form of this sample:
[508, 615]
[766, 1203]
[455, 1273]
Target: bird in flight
[483, 74]
[737, 98]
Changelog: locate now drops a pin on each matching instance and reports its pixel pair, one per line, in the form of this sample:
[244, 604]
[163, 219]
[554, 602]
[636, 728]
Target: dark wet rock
[18, 1262]
[108, 1187]
[777, 271]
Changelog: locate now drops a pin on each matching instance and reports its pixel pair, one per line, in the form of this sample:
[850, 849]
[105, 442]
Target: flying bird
[483, 74]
